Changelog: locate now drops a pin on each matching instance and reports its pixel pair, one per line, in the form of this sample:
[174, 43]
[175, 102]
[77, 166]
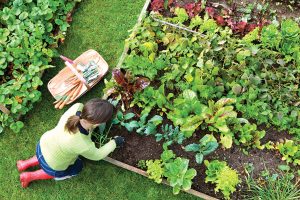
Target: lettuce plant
[290, 151]
[155, 170]
[225, 178]
[178, 174]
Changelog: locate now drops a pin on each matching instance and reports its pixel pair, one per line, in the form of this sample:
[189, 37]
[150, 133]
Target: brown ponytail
[72, 123]
[95, 111]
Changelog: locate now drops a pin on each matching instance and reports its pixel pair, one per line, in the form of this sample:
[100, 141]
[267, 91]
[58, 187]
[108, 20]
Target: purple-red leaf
[157, 5]
[141, 83]
[240, 27]
[119, 77]
[193, 9]
[251, 27]
[211, 11]
[220, 20]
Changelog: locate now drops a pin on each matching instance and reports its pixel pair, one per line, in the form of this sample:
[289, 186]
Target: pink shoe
[27, 177]
[24, 164]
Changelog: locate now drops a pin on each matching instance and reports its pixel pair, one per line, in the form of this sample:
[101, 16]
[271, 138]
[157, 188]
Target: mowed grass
[101, 25]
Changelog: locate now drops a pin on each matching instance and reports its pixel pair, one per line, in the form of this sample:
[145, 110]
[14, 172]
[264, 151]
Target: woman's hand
[119, 141]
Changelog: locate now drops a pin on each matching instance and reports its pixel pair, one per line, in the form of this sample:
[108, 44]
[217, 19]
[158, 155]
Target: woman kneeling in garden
[58, 149]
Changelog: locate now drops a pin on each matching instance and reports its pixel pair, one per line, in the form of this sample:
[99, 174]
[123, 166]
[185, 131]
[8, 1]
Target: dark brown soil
[139, 147]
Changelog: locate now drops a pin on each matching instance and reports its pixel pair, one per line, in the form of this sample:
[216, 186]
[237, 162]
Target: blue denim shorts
[72, 170]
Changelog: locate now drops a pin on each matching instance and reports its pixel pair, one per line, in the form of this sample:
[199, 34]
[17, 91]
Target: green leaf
[119, 115]
[192, 147]
[226, 141]
[115, 121]
[23, 15]
[182, 16]
[150, 129]
[189, 94]
[156, 120]
[17, 126]
[284, 167]
[210, 147]
[199, 158]
[242, 55]
[158, 137]
[131, 125]
[237, 89]
[129, 116]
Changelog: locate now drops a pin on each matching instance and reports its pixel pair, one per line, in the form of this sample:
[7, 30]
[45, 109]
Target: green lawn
[101, 25]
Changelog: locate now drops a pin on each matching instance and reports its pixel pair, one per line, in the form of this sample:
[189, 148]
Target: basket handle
[69, 63]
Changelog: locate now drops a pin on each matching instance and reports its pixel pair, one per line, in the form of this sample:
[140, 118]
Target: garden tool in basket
[78, 77]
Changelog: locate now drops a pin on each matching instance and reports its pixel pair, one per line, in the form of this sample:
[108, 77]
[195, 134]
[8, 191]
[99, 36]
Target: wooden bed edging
[143, 173]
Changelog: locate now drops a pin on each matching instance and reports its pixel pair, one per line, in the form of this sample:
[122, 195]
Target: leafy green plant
[254, 71]
[123, 120]
[181, 15]
[148, 127]
[151, 97]
[225, 178]
[186, 112]
[248, 135]
[207, 144]
[170, 134]
[178, 174]
[145, 66]
[30, 31]
[290, 151]
[174, 169]
[142, 164]
[155, 170]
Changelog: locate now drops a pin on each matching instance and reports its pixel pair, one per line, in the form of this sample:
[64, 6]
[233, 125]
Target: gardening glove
[119, 141]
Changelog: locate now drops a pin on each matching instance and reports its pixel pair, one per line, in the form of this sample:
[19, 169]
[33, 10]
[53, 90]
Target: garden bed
[242, 143]
[139, 147]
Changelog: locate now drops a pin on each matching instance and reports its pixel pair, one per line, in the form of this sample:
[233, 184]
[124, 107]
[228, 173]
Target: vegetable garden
[207, 93]
[204, 93]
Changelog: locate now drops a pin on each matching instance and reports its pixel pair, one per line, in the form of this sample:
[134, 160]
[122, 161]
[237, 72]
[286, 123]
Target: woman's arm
[94, 153]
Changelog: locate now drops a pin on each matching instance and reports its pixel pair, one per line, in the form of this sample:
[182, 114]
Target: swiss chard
[126, 85]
